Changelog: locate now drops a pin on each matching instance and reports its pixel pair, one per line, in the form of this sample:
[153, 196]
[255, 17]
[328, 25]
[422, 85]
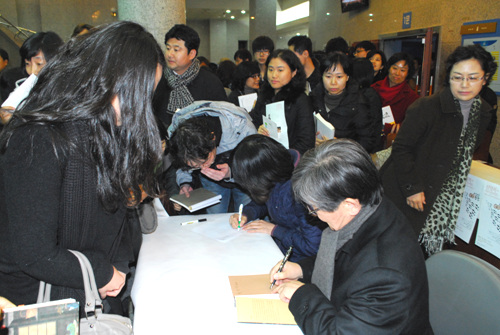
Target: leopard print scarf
[440, 224]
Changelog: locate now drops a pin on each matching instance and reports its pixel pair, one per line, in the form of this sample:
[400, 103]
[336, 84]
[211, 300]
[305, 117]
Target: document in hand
[276, 113]
[387, 116]
[53, 317]
[256, 304]
[323, 127]
[198, 199]
[247, 101]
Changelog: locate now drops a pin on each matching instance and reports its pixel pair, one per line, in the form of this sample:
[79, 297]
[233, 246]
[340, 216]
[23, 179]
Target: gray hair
[334, 171]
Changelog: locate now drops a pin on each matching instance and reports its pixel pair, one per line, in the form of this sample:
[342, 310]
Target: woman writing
[285, 81]
[394, 90]
[431, 156]
[342, 104]
[264, 168]
[71, 159]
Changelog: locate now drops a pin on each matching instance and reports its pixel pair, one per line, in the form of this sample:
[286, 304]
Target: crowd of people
[86, 142]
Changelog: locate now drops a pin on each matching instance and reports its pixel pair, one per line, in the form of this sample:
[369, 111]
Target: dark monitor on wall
[348, 5]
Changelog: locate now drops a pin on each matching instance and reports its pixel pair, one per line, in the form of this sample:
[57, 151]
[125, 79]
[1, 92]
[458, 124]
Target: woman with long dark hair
[246, 80]
[73, 158]
[264, 168]
[285, 80]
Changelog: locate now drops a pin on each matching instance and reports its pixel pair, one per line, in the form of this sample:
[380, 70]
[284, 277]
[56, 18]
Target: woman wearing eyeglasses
[431, 156]
[246, 80]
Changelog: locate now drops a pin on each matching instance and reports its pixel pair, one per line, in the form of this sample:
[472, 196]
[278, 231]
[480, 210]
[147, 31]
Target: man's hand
[223, 172]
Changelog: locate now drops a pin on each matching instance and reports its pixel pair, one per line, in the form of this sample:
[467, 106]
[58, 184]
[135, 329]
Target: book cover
[256, 304]
[198, 199]
[323, 127]
[49, 318]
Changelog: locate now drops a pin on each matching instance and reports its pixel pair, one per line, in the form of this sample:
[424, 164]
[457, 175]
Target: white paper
[488, 229]
[387, 116]
[469, 210]
[216, 231]
[247, 101]
[271, 127]
[323, 127]
[276, 113]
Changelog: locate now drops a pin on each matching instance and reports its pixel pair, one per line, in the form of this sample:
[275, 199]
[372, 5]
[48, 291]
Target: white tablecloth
[181, 284]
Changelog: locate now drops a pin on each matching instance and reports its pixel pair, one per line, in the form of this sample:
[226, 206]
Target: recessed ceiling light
[327, 14]
[232, 17]
[252, 17]
[371, 20]
[228, 11]
[370, 14]
[243, 11]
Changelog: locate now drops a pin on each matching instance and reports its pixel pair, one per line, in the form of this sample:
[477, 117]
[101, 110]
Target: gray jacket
[236, 124]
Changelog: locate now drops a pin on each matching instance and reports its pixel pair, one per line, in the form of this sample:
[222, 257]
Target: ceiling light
[232, 17]
[243, 11]
[252, 17]
[228, 11]
[370, 14]
[327, 14]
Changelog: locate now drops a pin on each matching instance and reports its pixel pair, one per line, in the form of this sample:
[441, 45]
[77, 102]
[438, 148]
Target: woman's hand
[233, 220]
[223, 172]
[259, 226]
[287, 289]
[395, 128]
[263, 130]
[416, 201]
[319, 141]
[115, 285]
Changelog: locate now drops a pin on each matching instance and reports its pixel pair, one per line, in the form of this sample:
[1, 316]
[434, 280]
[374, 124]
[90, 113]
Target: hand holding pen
[282, 264]
[233, 220]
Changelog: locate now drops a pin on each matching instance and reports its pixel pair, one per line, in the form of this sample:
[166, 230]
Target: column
[157, 16]
[264, 12]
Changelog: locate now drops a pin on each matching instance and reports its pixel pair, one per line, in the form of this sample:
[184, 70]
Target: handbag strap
[93, 301]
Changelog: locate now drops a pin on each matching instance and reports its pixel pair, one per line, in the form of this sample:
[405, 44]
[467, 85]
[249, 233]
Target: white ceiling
[215, 9]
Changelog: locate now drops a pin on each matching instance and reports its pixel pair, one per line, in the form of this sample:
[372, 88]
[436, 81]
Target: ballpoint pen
[285, 259]
[239, 217]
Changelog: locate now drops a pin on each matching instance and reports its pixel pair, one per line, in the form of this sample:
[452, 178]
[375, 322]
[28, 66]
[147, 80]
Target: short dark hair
[362, 72]
[4, 54]
[184, 33]
[372, 53]
[262, 42]
[474, 51]
[259, 163]
[192, 141]
[337, 44]
[408, 61]
[225, 72]
[336, 170]
[81, 27]
[367, 45]
[243, 54]
[291, 59]
[300, 44]
[243, 71]
[46, 42]
[334, 59]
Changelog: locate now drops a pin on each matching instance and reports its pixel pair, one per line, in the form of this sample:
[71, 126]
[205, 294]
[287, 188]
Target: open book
[198, 199]
[324, 127]
[48, 318]
[256, 304]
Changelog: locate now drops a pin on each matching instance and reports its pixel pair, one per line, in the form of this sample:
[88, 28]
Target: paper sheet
[216, 231]
[276, 113]
[387, 116]
[488, 229]
[256, 310]
[247, 101]
[250, 284]
[469, 210]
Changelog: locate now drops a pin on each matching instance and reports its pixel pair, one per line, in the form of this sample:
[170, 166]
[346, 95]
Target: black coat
[379, 286]
[298, 114]
[206, 86]
[423, 152]
[351, 119]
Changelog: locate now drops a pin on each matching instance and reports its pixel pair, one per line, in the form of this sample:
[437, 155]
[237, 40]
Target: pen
[288, 253]
[239, 217]
[193, 221]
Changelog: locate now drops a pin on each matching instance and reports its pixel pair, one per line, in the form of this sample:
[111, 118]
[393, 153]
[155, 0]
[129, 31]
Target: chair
[464, 294]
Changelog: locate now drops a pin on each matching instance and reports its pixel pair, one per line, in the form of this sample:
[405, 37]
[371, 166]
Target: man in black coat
[369, 275]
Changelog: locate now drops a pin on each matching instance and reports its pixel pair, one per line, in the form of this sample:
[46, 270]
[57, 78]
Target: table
[181, 284]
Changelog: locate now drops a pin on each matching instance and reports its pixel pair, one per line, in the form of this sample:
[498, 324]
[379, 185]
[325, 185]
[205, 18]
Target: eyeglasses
[312, 211]
[472, 80]
[263, 51]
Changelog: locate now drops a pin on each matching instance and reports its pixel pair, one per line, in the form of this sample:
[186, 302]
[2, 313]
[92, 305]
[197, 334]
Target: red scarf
[387, 94]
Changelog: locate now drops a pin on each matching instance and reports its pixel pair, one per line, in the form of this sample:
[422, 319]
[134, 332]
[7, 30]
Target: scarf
[180, 96]
[333, 101]
[440, 224]
[331, 242]
[387, 94]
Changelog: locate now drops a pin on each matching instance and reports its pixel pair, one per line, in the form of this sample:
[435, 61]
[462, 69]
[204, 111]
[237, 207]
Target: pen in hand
[239, 217]
[285, 259]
